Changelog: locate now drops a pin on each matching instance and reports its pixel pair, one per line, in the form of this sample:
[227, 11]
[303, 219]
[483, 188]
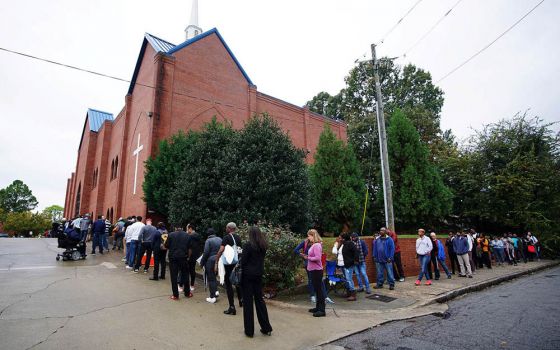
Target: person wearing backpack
[232, 240]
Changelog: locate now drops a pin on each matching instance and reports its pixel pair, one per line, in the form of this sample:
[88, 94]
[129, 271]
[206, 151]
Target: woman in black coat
[252, 264]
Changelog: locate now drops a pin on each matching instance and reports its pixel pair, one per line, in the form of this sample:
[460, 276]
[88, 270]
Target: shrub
[280, 264]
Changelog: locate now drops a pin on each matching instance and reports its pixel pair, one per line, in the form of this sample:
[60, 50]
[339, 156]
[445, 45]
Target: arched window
[78, 195]
[116, 167]
[111, 215]
[112, 169]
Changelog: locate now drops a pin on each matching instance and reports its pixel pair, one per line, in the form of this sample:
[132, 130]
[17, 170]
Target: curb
[488, 283]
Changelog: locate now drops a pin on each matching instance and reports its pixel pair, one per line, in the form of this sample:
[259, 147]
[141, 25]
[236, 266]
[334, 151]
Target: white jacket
[338, 251]
[132, 231]
[424, 245]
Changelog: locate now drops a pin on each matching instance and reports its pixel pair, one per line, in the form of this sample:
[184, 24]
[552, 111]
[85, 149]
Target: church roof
[97, 118]
[167, 48]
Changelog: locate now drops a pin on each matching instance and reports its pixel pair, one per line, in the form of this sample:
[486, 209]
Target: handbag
[230, 255]
[531, 249]
[235, 277]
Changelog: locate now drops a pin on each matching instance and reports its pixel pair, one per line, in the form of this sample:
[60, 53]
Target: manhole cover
[382, 298]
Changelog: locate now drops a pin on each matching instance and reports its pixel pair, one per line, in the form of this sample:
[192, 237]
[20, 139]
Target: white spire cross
[136, 153]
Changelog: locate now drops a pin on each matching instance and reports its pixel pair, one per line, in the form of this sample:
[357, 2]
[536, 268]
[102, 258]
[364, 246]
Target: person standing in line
[398, 271]
[129, 221]
[98, 229]
[351, 257]
[132, 233]
[302, 250]
[535, 243]
[360, 267]
[107, 233]
[513, 253]
[315, 268]
[177, 244]
[518, 247]
[433, 258]
[461, 248]
[118, 232]
[383, 251]
[85, 224]
[472, 251]
[498, 247]
[252, 265]
[423, 250]
[194, 245]
[208, 261]
[451, 252]
[485, 247]
[231, 239]
[160, 252]
[440, 254]
[145, 245]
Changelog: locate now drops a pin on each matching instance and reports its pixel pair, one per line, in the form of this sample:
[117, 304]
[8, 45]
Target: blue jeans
[499, 253]
[423, 260]
[131, 252]
[310, 288]
[444, 265]
[360, 270]
[348, 272]
[83, 235]
[98, 241]
[381, 268]
[105, 241]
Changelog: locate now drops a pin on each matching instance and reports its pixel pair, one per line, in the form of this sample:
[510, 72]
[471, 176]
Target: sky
[290, 49]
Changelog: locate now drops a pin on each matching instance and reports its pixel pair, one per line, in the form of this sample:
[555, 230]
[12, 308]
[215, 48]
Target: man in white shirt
[423, 248]
[471, 241]
[131, 235]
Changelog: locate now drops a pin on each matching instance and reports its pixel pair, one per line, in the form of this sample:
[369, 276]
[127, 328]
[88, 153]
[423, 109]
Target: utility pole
[387, 191]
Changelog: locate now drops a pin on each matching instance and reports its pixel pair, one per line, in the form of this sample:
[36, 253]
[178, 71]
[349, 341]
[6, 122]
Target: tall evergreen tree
[418, 191]
[338, 187]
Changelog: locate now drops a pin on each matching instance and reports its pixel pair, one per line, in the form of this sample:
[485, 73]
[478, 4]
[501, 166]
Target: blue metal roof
[97, 118]
[158, 44]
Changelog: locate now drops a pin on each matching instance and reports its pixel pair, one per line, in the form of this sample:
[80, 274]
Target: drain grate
[382, 298]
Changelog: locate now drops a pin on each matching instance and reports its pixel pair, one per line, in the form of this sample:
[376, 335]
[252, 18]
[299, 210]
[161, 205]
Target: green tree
[419, 194]
[164, 168]
[337, 183]
[54, 212]
[23, 222]
[17, 197]
[203, 193]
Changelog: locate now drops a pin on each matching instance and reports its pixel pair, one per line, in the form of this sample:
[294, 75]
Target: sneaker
[217, 294]
[128, 267]
[449, 277]
[181, 289]
[145, 271]
[192, 288]
[211, 300]
[135, 270]
[428, 283]
[329, 300]
[417, 282]
[401, 279]
[92, 253]
[313, 299]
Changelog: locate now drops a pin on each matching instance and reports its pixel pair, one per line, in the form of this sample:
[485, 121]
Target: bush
[280, 264]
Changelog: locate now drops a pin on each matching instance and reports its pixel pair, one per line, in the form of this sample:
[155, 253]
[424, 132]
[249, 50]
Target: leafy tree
[508, 177]
[253, 174]
[17, 197]
[325, 104]
[337, 183]
[203, 193]
[163, 170]
[419, 194]
[274, 170]
[23, 222]
[54, 212]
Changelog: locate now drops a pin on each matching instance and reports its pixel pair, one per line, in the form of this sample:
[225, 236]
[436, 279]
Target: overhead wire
[489, 44]
[413, 46]
[398, 22]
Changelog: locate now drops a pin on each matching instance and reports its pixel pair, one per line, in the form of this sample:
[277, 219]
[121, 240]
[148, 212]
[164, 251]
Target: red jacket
[393, 235]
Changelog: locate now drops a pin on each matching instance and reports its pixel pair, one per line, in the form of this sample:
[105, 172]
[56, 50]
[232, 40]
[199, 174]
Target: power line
[489, 44]
[398, 22]
[112, 77]
[430, 30]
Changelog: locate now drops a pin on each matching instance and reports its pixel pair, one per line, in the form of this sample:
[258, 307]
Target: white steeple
[193, 29]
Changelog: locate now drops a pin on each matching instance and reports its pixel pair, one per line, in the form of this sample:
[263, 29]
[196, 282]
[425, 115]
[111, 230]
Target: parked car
[4, 235]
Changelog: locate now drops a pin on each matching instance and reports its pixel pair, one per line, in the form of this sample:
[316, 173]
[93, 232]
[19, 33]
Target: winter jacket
[350, 254]
[461, 245]
[98, 227]
[383, 250]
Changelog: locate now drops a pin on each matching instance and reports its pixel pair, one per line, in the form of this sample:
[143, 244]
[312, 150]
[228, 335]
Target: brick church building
[174, 87]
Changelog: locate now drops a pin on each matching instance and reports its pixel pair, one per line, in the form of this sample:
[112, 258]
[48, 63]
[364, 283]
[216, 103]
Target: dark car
[4, 235]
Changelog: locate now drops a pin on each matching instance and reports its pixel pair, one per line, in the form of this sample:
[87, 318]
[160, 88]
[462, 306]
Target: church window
[78, 195]
[116, 167]
[111, 215]
[112, 169]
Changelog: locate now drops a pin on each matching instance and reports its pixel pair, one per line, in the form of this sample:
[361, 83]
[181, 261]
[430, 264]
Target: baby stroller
[69, 240]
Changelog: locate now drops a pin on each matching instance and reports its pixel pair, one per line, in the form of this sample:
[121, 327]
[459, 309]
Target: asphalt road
[522, 314]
